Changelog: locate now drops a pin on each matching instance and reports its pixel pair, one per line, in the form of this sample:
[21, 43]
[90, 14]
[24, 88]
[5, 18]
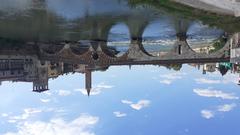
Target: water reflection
[94, 63]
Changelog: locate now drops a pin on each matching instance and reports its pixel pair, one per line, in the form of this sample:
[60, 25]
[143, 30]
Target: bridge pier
[137, 27]
[136, 49]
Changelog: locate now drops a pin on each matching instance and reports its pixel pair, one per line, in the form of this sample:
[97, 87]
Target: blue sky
[143, 100]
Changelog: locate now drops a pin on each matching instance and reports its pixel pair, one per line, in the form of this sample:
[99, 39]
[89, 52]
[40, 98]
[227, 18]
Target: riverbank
[224, 7]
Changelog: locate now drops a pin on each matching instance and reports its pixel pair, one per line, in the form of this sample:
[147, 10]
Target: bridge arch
[79, 50]
[204, 39]
[65, 51]
[159, 37]
[119, 39]
[50, 49]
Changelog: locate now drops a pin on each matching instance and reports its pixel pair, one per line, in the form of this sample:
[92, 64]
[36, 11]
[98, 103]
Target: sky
[143, 100]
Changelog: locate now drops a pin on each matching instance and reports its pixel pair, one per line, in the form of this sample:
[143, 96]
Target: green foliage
[176, 67]
[228, 23]
[218, 44]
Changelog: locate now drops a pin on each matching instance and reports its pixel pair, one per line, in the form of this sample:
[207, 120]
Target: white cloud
[45, 100]
[64, 93]
[169, 78]
[139, 105]
[28, 112]
[96, 90]
[32, 110]
[119, 114]
[4, 115]
[173, 76]
[226, 107]
[230, 78]
[207, 114]
[166, 82]
[102, 85]
[12, 121]
[221, 108]
[207, 81]
[214, 93]
[126, 102]
[48, 93]
[81, 126]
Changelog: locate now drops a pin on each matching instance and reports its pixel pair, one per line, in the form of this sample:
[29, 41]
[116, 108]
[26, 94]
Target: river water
[104, 67]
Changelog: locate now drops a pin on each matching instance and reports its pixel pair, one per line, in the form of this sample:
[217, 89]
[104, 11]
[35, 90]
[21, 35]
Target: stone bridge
[100, 56]
[98, 53]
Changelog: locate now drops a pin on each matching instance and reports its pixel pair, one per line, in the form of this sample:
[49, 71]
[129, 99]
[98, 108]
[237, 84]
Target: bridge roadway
[143, 62]
[166, 62]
